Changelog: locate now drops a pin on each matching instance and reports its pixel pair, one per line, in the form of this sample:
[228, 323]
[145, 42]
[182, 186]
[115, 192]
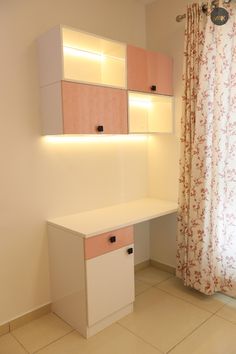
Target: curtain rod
[180, 18]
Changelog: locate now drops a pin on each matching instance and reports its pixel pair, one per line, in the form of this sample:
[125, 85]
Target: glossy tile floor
[168, 318]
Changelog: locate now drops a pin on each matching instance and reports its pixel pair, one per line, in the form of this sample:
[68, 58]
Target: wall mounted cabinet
[149, 71]
[83, 81]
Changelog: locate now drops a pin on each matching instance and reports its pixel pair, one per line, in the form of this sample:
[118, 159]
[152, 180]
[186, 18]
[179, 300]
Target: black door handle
[112, 239]
[100, 128]
[153, 88]
[130, 250]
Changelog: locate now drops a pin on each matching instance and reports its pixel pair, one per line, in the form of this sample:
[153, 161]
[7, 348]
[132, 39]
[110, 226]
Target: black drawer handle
[100, 128]
[112, 239]
[153, 88]
[130, 250]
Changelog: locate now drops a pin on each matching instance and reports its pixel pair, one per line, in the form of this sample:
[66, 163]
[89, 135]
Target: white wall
[142, 242]
[166, 35]
[41, 180]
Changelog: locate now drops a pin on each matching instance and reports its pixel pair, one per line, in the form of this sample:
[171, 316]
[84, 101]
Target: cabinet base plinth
[99, 326]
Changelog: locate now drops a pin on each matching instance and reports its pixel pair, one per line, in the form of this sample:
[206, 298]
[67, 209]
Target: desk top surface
[97, 221]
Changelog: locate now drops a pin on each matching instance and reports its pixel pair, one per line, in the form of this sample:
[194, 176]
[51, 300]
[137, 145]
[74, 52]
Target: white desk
[97, 221]
[90, 293]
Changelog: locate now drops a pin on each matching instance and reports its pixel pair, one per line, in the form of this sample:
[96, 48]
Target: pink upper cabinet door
[137, 69]
[149, 71]
[89, 109]
[160, 73]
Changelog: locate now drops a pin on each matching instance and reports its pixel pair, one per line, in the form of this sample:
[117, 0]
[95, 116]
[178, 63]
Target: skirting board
[164, 267]
[99, 326]
[24, 319]
[4, 329]
[142, 265]
[158, 265]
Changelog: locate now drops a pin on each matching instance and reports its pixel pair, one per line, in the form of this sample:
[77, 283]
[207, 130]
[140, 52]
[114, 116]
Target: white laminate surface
[110, 283]
[97, 221]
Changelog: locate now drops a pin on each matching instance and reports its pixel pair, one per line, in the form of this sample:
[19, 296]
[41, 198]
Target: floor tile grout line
[61, 319]
[180, 298]
[151, 285]
[17, 340]
[155, 286]
[226, 304]
[189, 302]
[22, 345]
[143, 291]
[156, 283]
[143, 340]
[223, 318]
[54, 341]
[194, 330]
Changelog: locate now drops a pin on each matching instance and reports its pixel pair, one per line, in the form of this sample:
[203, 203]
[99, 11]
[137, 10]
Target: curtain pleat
[206, 255]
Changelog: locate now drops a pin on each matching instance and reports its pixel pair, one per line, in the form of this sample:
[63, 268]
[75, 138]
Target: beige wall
[166, 35]
[41, 180]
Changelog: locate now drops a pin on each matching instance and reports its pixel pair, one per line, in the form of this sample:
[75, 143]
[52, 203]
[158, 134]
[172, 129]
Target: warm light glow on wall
[140, 103]
[83, 54]
[60, 139]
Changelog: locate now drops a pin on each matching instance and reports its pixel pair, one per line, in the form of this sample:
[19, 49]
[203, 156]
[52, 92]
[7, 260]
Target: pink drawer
[107, 242]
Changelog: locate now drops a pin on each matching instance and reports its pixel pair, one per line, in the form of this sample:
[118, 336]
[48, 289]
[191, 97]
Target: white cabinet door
[110, 283]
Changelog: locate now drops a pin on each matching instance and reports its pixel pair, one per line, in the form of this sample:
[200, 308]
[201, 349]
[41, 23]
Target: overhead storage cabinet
[84, 80]
[67, 55]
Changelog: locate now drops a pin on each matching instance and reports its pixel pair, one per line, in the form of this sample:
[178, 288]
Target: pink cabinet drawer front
[101, 244]
[86, 107]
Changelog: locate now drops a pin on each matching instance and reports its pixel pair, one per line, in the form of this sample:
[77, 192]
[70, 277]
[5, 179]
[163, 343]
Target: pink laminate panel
[164, 74]
[98, 245]
[85, 107]
[137, 69]
[147, 68]
[160, 72]
[152, 59]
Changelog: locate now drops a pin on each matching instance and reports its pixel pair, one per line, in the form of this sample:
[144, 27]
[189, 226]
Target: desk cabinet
[92, 279]
[92, 268]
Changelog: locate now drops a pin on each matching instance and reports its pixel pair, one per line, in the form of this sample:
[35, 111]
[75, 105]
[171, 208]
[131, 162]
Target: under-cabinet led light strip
[87, 54]
[60, 139]
[83, 53]
[140, 103]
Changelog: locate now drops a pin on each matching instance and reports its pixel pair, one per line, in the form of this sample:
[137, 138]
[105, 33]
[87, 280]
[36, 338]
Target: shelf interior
[150, 113]
[91, 59]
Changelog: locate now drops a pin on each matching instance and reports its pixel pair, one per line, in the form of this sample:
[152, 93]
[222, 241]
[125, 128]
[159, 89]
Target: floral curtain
[206, 256]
